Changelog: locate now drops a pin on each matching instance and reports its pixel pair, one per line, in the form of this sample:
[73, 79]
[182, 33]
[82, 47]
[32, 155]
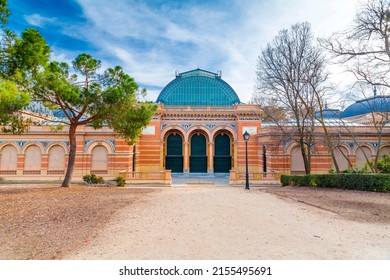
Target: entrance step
[212, 179]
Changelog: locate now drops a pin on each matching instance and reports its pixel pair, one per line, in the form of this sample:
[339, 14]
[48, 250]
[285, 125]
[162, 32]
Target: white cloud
[151, 42]
[38, 20]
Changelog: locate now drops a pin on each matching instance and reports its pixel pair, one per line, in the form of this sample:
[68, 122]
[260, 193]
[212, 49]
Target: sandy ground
[231, 223]
[193, 222]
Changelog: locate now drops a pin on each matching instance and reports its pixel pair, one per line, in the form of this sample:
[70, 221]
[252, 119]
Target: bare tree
[291, 75]
[364, 49]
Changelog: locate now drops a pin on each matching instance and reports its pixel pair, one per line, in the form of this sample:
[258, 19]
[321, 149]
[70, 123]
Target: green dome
[198, 88]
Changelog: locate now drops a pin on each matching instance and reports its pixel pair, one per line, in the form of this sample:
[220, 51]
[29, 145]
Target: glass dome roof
[365, 106]
[329, 114]
[198, 88]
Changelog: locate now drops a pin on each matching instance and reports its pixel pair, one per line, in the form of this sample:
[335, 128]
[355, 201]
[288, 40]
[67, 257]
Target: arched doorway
[222, 154]
[174, 155]
[198, 158]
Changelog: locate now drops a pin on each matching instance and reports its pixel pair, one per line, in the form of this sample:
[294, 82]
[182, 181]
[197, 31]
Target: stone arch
[225, 129]
[61, 144]
[99, 159]
[289, 146]
[13, 144]
[95, 143]
[56, 159]
[169, 129]
[37, 144]
[9, 158]
[341, 153]
[362, 154]
[384, 150]
[296, 160]
[199, 129]
[33, 158]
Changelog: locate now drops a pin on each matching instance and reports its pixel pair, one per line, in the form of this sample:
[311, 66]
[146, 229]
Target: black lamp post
[246, 136]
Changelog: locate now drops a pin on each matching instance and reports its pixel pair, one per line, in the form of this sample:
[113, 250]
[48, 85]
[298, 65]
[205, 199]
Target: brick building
[197, 129]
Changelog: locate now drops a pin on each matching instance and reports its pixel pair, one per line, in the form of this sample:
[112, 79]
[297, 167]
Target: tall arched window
[384, 151]
[8, 159]
[297, 164]
[198, 158]
[174, 154]
[56, 164]
[99, 164]
[32, 160]
[362, 155]
[222, 154]
[341, 155]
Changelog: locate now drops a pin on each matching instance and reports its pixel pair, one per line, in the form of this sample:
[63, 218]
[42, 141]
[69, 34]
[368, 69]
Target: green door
[198, 158]
[174, 157]
[222, 158]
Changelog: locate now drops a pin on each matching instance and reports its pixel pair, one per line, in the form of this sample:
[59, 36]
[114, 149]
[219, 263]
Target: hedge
[361, 182]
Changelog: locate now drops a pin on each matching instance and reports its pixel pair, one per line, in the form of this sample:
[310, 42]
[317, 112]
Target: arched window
[32, 160]
[341, 155]
[8, 159]
[222, 154]
[384, 151]
[297, 164]
[198, 158]
[99, 164]
[56, 164]
[174, 154]
[362, 155]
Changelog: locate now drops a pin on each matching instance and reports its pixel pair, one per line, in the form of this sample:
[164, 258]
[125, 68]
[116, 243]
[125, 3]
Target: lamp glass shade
[246, 136]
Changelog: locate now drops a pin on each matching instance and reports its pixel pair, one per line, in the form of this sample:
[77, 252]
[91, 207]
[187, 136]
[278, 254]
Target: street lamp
[246, 136]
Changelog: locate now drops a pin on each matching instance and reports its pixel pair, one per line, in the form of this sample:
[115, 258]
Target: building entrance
[174, 157]
[222, 155]
[198, 157]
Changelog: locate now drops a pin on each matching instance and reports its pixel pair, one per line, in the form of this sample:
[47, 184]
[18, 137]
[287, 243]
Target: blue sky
[153, 39]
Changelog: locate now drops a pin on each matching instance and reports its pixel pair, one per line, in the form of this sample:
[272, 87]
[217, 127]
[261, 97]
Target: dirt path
[231, 223]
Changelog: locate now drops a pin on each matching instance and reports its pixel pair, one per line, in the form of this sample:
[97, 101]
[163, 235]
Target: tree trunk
[305, 156]
[72, 156]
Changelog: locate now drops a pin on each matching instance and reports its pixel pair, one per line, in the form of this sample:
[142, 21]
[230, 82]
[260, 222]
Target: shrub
[93, 179]
[120, 181]
[350, 181]
[384, 164]
[365, 170]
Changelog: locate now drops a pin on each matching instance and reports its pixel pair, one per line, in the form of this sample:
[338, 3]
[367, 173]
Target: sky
[153, 39]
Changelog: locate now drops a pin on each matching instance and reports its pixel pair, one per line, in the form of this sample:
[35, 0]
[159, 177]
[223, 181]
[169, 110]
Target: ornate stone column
[186, 158]
[210, 167]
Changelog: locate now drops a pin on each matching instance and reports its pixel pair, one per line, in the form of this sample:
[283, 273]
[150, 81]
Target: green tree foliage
[29, 54]
[4, 13]
[85, 97]
[20, 58]
[384, 164]
[89, 98]
[11, 100]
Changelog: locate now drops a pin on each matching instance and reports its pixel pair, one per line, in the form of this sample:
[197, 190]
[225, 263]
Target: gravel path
[203, 222]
